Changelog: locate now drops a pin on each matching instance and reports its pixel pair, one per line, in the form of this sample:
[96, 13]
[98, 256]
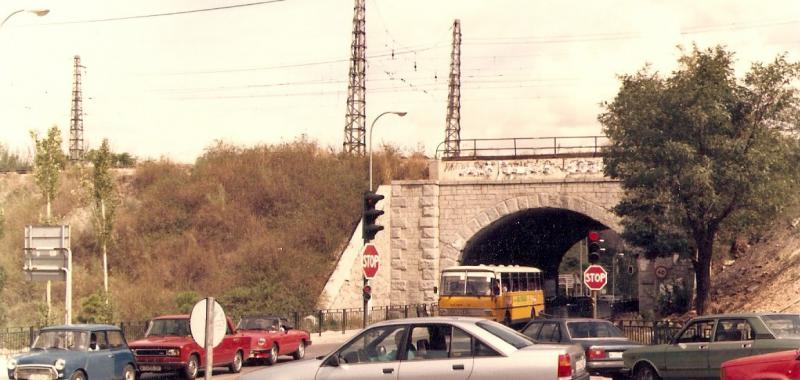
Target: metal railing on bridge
[527, 147]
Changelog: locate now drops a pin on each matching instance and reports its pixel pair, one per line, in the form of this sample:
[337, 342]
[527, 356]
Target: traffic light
[369, 228]
[367, 292]
[593, 242]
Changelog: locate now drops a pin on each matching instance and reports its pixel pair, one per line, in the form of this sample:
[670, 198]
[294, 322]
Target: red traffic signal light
[593, 246]
[369, 227]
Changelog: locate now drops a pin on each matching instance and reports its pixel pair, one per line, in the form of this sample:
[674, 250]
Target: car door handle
[702, 347]
[110, 355]
[458, 367]
[747, 345]
[388, 370]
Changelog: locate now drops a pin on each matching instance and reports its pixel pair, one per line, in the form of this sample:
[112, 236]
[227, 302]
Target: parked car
[782, 365]
[76, 352]
[603, 342]
[271, 336]
[168, 347]
[437, 348]
[700, 348]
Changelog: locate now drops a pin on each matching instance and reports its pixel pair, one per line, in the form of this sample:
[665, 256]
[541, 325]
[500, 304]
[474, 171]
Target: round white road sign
[197, 323]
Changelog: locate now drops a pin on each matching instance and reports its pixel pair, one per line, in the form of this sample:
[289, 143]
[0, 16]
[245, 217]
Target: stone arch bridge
[493, 210]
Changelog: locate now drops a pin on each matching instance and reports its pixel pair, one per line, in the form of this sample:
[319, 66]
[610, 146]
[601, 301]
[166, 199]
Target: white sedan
[437, 348]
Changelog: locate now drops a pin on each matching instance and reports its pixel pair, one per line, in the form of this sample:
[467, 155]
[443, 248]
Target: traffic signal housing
[593, 244]
[367, 292]
[369, 227]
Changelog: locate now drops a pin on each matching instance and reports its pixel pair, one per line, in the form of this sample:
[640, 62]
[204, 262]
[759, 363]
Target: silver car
[437, 348]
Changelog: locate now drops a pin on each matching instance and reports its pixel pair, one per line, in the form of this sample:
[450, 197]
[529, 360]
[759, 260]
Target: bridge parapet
[502, 170]
[526, 147]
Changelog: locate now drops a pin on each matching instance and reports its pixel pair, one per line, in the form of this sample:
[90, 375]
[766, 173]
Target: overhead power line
[224, 7]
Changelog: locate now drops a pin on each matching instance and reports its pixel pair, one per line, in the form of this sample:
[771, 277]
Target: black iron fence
[649, 332]
[525, 147]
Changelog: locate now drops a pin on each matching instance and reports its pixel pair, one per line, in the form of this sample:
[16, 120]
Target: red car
[782, 365]
[168, 347]
[271, 337]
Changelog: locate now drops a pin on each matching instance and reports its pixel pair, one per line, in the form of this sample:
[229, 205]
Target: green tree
[96, 308]
[185, 301]
[700, 151]
[104, 201]
[47, 163]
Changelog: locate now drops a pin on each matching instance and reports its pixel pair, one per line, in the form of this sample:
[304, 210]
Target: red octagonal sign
[370, 261]
[595, 277]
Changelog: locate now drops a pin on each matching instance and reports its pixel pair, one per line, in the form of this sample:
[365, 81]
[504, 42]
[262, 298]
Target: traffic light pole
[366, 304]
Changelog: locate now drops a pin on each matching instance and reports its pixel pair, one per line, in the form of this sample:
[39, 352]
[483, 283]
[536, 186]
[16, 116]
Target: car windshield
[783, 325]
[256, 323]
[62, 339]
[169, 327]
[505, 333]
[472, 283]
[593, 329]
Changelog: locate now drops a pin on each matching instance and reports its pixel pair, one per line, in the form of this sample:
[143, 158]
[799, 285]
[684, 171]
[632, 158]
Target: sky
[169, 86]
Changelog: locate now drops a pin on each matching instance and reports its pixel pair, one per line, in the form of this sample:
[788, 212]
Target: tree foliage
[700, 151]
[103, 193]
[48, 161]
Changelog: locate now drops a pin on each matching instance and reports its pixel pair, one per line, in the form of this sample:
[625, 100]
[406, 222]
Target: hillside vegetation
[260, 228]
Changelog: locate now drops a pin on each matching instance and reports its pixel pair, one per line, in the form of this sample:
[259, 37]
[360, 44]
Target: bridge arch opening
[538, 237]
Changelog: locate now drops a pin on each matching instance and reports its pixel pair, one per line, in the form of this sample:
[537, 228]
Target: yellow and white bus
[508, 294]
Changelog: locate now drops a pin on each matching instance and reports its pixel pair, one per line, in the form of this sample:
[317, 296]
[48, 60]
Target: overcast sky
[168, 86]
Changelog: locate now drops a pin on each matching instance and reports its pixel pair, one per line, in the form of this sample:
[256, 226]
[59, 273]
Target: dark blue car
[76, 352]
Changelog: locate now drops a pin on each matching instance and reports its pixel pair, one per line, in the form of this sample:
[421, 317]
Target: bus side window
[505, 282]
[528, 281]
[515, 282]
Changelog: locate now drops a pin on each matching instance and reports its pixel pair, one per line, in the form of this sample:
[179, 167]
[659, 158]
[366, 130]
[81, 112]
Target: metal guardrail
[523, 147]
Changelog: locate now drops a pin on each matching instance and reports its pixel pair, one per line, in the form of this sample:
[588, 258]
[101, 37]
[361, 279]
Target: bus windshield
[472, 283]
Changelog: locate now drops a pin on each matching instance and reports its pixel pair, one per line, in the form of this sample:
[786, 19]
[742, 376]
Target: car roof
[173, 316]
[739, 315]
[264, 316]
[81, 327]
[493, 268]
[569, 319]
[406, 321]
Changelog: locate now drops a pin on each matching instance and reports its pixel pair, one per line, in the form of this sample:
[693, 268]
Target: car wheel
[78, 375]
[645, 372]
[273, 355]
[236, 365]
[191, 369]
[129, 373]
[301, 351]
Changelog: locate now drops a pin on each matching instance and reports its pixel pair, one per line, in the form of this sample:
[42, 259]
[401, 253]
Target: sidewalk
[332, 337]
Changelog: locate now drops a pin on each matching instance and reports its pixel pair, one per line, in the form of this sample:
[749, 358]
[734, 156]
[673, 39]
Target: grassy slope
[258, 228]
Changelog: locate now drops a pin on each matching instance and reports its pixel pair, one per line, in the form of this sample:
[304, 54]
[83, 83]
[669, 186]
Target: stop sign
[595, 277]
[370, 261]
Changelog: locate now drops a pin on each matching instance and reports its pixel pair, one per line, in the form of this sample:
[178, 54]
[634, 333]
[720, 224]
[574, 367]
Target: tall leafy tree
[48, 161]
[700, 151]
[104, 200]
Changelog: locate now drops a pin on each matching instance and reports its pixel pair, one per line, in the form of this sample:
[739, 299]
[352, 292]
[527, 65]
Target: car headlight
[173, 352]
[59, 364]
[11, 364]
[261, 341]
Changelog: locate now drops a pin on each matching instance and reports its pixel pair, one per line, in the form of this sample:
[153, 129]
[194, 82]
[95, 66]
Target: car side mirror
[333, 361]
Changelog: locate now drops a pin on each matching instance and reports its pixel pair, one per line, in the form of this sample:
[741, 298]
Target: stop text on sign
[595, 277]
[370, 261]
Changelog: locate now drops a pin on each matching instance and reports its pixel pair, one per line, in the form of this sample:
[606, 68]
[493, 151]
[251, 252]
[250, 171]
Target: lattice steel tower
[355, 121]
[76, 120]
[452, 134]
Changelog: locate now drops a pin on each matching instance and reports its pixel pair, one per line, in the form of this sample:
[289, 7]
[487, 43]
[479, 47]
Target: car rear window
[506, 334]
[783, 325]
[593, 329]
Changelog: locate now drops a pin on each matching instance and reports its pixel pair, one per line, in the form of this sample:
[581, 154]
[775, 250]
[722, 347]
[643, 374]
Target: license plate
[150, 368]
[615, 355]
[37, 376]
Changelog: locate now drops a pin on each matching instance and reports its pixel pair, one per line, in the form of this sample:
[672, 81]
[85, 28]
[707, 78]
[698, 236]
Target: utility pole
[76, 120]
[452, 135]
[355, 120]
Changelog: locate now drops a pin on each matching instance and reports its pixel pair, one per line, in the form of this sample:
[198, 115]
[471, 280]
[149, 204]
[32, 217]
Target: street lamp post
[38, 12]
[401, 114]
